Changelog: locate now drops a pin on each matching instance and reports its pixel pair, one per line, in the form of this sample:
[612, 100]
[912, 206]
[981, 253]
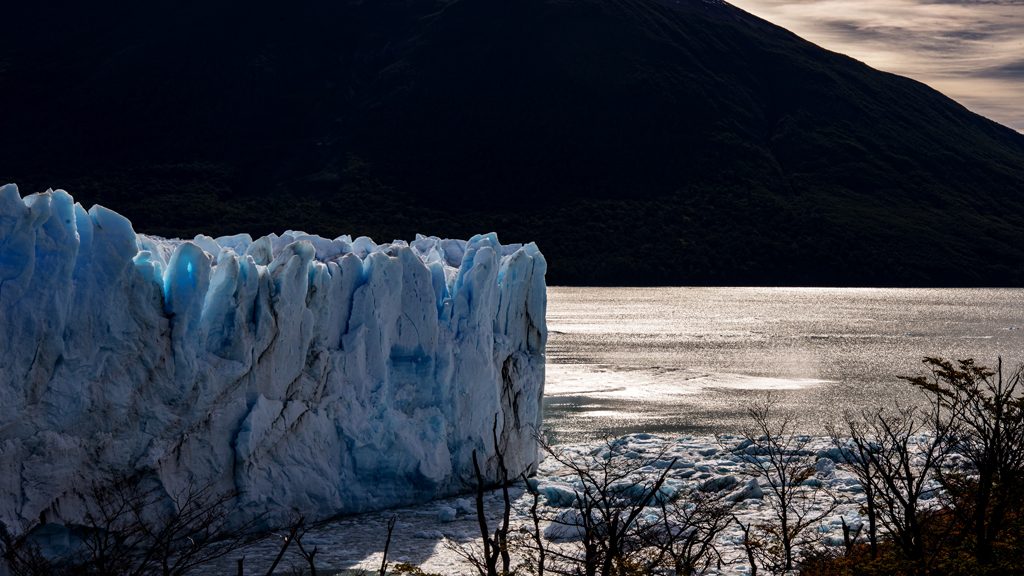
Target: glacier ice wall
[307, 374]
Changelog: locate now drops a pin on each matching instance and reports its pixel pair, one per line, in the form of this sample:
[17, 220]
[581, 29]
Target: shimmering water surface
[692, 359]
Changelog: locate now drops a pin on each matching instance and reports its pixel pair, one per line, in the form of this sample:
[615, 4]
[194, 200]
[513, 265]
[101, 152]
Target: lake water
[692, 359]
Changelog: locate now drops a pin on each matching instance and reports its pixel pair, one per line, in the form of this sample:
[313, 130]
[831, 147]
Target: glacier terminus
[299, 373]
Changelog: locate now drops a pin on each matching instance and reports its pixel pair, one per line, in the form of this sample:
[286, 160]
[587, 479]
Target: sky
[970, 50]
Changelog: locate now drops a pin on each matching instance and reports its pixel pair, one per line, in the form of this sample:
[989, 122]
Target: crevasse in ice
[305, 374]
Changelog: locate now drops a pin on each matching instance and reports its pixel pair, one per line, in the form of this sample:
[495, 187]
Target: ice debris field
[305, 374]
[426, 535]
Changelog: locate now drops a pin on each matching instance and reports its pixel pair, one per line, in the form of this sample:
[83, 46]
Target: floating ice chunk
[719, 483]
[566, 526]
[750, 491]
[446, 514]
[825, 468]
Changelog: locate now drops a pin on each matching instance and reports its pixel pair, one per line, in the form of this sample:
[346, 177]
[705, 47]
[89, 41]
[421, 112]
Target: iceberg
[300, 373]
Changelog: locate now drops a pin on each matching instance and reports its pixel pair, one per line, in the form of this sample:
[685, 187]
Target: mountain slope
[638, 141]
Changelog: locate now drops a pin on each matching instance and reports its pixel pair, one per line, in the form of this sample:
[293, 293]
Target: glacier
[300, 373]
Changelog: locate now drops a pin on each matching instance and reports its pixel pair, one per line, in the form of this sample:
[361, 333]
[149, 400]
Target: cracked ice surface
[312, 375]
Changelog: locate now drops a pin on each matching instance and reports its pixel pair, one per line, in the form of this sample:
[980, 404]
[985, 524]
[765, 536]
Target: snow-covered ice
[307, 374]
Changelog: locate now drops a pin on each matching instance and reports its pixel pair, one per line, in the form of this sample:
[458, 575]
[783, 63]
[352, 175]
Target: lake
[691, 360]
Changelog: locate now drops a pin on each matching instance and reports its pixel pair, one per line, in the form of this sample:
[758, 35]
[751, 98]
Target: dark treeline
[639, 142]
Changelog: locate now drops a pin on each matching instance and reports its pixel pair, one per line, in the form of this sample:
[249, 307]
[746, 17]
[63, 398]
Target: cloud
[971, 50]
[1011, 70]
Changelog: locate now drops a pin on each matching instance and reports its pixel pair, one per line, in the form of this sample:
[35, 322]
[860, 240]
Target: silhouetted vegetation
[132, 528]
[967, 448]
[609, 529]
[781, 462]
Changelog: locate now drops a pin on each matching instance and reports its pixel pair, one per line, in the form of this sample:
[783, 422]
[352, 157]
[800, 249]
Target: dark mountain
[637, 141]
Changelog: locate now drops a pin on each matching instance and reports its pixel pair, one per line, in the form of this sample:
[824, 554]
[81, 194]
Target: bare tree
[21, 557]
[495, 546]
[904, 449]
[779, 458]
[286, 541]
[987, 411]
[850, 536]
[298, 532]
[387, 545]
[131, 527]
[691, 525]
[611, 493]
[751, 545]
[534, 546]
[855, 448]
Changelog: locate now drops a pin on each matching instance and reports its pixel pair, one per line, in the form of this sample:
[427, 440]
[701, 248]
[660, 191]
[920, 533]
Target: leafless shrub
[132, 528]
[611, 493]
[387, 546]
[687, 539]
[855, 450]
[986, 411]
[904, 449]
[495, 545]
[779, 458]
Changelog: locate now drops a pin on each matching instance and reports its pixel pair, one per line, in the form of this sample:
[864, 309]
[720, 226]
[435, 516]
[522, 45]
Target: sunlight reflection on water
[691, 359]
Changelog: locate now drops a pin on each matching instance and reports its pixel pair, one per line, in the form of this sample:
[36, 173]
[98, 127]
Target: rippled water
[691, 359]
